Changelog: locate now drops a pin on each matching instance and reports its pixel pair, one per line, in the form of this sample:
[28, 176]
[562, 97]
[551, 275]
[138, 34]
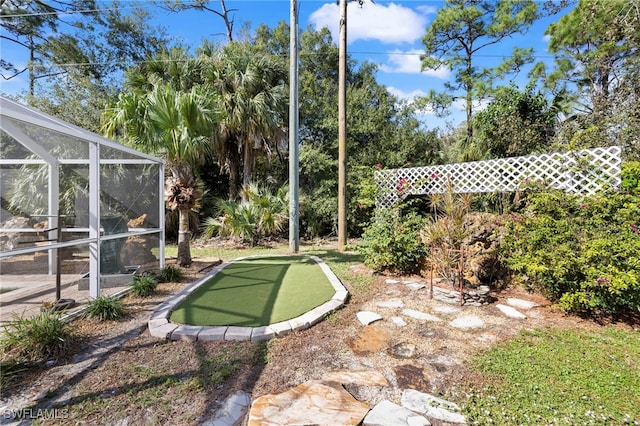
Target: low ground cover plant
[144, 285]
[169, 274]
[105, 308]
[557, 376]
[37, 337]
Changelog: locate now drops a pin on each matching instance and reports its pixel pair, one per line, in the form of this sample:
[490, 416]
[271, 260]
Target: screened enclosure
[79, 213]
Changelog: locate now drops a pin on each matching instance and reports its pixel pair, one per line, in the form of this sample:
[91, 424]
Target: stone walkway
[161, 326]
[327, 401]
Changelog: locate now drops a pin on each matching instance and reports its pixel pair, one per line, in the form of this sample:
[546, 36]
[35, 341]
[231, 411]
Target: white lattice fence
[579, 172]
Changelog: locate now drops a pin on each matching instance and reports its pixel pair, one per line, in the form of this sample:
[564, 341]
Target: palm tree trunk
[234, 175]
[247, 166]
[184, 237]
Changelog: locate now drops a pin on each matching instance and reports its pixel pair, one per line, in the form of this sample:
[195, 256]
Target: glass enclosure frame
[58, 149]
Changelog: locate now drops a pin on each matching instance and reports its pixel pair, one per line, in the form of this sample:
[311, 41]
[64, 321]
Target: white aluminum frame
[17, 111]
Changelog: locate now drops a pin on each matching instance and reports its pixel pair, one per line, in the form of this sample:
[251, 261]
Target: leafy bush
[392, 242]
[144, 285]
[261, 214]
[38, 337]
[631, 177]
[105, 308]
[170, 274]
[582, 252]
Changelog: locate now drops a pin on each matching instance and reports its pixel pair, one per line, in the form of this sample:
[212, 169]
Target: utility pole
[294, 206]
[342, 130]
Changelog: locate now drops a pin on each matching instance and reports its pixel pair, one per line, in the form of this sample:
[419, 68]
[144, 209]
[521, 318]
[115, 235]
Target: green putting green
[255, 292]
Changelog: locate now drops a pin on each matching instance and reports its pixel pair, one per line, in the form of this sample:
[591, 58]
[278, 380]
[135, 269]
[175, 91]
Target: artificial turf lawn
[255, 292]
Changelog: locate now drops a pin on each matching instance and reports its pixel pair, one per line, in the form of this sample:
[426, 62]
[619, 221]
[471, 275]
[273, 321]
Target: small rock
[446, 310]
[367, 317]
[403, 350]
[391, 281]
[520, 303]
[399, 321]
[511, 312]
[433, 407]
[415, 286]
[386, 413]
[420, 315]
[470, 321]
[232, 410]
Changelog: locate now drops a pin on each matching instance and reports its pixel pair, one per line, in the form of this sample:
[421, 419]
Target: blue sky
[388, 34]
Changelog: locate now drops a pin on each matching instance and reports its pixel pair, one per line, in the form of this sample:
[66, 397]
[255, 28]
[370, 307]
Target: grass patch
[558, 376]
[214, 370]
[257, 292]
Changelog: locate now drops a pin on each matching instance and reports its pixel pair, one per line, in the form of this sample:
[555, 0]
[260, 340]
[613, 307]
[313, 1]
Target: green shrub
[260, 214]
[38, 337]
[144, 285]
[631, 177]
[392, 242]
[583, 252]
[170, 274]
[105, 308]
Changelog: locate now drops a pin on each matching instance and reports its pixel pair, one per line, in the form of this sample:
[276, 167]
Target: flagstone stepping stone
[446, 310]
[510, 312]
[232, 410]
[367, 317]
[386, 413]
[520, 303]
[432, 407]
[395, 303]
[361, 378]
[311, 403]
[391, 281]
[399, 321]
[423, 316]
[469, 321]
[415, 286]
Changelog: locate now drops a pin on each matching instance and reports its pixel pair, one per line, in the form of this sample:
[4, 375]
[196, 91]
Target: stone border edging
[160, 326]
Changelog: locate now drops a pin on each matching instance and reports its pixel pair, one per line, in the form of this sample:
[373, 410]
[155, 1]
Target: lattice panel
[580, 172]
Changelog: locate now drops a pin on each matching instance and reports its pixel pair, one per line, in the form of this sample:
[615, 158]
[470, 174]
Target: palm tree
[176, 125]
[253, 92]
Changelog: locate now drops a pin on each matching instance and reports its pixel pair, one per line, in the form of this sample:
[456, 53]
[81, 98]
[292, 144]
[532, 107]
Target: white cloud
[401, 94]
[411, 97]
[460, 104]
[408, 62]
[427, 10]
[389, 24]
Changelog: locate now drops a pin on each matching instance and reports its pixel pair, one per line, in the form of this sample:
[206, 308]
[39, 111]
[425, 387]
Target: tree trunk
[184, 237]
[234, 165]
[247, 166]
